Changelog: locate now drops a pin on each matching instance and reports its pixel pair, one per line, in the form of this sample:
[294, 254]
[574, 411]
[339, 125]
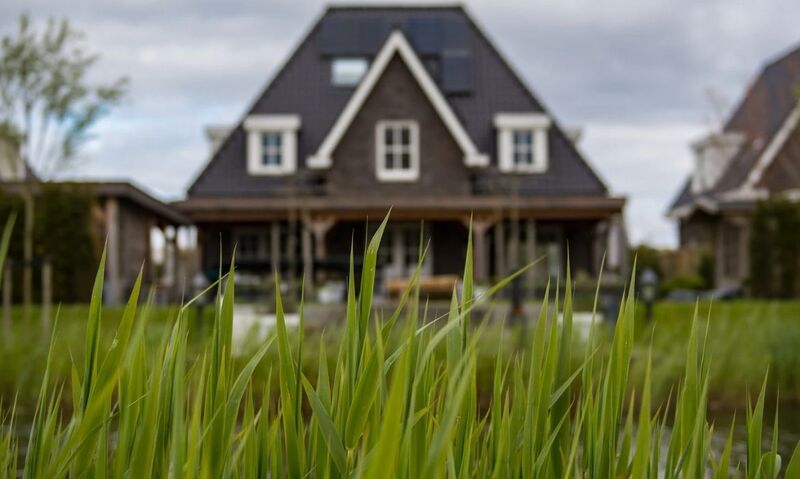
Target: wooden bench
[439, 285]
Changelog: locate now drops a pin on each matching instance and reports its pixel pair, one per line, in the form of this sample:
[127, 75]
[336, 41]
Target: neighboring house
[123, 217]
[754, 157]
[411, 109]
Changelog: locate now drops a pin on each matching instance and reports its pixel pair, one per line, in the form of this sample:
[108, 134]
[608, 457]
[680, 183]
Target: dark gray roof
[452, 48]
[766, 105]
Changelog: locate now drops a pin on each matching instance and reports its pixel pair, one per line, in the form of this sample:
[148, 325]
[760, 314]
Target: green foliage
[387, 407]
[647, 257]
[774, 249]
[62, 236]
[688, 281]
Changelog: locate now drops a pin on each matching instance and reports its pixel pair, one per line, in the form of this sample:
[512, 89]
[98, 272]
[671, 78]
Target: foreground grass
[400, 399]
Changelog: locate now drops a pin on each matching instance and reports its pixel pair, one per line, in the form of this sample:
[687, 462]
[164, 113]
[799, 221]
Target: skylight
[347, 71]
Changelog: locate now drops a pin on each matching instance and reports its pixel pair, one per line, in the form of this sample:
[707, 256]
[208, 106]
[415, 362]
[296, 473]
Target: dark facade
[437, 127]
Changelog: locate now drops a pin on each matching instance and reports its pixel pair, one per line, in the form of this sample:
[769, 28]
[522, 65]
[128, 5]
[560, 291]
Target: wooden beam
[530, 252]
[308, 256]
[275, 246]
[112, 283]
[499, 250]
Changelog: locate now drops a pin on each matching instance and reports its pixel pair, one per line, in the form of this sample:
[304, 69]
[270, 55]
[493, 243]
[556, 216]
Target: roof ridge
[395, 6]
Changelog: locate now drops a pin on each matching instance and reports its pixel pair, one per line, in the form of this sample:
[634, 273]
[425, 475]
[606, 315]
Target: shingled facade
[756, 156]
[413, 109]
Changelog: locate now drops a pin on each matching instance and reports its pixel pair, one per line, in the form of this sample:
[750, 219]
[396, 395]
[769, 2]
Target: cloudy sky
[643, 78]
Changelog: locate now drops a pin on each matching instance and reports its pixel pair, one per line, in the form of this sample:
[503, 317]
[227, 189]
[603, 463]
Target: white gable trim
[699, 204]
[396, 43]
[772, 150]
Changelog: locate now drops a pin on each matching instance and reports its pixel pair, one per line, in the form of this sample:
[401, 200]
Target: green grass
[396, 396]
[745, 338]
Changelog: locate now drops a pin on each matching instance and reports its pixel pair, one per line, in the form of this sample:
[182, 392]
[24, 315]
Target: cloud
[636, 75]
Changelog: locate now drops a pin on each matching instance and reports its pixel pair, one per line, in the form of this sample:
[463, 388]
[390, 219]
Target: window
[348, 71]
[523, 148]
[271, 148]
[397, 150]
[271, 144]
[522, 142]
[251, 244]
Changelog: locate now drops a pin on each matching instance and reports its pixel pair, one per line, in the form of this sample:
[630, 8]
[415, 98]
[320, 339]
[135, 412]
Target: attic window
[348, 71]
[522, 142]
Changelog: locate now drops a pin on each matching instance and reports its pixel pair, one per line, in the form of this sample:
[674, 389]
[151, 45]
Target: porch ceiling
[451, 207]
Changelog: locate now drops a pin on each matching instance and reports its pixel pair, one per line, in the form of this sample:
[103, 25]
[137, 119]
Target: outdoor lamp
[649, 284]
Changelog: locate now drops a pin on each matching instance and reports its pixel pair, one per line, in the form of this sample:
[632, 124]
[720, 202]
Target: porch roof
[230, 209]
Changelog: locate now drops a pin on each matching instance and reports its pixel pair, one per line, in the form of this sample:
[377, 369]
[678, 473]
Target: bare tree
[49, 105]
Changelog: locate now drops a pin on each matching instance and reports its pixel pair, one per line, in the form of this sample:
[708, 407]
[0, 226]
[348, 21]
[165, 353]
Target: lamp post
[649, 283]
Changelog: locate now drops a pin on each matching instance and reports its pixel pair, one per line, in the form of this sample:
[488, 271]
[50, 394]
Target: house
[122, 217]
[755, 156]
[411, 109]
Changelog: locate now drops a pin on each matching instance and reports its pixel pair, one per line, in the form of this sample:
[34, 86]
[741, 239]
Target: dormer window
[271, 148]
[522, 142]
[272, 144]
[523, 148]
[397, 150]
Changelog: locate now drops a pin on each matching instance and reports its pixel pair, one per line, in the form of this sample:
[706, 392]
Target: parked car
[723, 294]
[683, 295]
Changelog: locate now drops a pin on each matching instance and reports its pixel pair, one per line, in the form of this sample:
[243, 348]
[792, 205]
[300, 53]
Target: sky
[642, 78]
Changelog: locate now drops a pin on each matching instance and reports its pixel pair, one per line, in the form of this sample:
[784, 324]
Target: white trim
[391, 175]
[772, 149]
[703, 204]
[520, 121]
[741, 194]
[538, 124]
[272, 122]
[287, 126]
[396, 43]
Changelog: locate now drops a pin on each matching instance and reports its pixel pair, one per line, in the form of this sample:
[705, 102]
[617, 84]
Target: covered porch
[313, 237]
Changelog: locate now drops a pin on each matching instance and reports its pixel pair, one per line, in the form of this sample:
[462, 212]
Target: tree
[49, 104]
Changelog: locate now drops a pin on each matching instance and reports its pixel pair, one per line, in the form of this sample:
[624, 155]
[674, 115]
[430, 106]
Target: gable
[397, 48]
[396, 96]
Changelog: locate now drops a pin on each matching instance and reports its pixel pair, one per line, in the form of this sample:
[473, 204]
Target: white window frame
[538, 124]
[393, 174]
[287, 126]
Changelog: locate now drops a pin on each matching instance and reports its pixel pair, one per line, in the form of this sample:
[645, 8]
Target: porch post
[615, 239]
[112, 259]
[599, 246]
[499, 249]
[319, 227]
[479, 229]
[530, 251]
[275, 246]
[308, 256]
[171, 260]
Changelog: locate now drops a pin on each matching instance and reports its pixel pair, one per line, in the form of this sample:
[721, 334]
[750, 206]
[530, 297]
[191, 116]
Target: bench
[438, 285]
